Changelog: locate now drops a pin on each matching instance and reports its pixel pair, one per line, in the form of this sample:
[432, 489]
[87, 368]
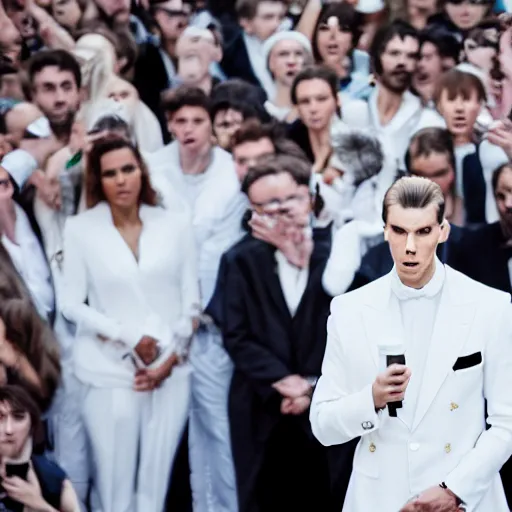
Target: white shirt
[30, 262]
[293, 281]
[259, 64]
[418, 308]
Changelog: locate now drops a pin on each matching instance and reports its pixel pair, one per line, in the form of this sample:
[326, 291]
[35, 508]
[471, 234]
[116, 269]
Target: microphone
[392, 354]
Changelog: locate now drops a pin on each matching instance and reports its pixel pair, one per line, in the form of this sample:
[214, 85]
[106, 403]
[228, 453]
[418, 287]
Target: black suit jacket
[151, 80]
[483, 257]
[235, 61]
[266, 344]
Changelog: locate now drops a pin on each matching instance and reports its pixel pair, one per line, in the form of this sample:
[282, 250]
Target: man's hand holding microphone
[390, 385]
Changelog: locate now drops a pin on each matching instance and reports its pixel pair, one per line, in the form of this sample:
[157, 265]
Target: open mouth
[333, 49]
[460, 122]
[410, 264]
[190, 140]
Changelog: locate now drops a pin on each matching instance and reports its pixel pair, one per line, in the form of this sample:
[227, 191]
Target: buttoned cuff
[358, 414]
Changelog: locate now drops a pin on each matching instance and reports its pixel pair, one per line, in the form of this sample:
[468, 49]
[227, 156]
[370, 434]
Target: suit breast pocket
[467, 376]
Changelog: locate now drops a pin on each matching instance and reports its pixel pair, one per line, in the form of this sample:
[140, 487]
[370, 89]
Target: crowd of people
[185, 186]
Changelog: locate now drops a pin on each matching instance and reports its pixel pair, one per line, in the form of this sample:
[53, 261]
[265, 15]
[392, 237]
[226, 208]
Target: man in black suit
[274, 328]
[486, 256]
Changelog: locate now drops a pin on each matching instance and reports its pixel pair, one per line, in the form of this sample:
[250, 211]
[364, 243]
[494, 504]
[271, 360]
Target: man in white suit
[436, 455]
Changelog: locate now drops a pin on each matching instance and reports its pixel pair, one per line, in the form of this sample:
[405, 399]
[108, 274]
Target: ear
[445, 231]
[386, 233]
[246, 25]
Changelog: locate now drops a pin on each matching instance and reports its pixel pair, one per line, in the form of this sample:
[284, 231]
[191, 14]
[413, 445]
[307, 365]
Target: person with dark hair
[233, 102]
[335, 37]
[315, 95]
[392, 110]
[29, 479]
[431, 451]
[439, 52]
[460, 97]
[244, 56]
[55, 81]
[461, 16]
[273, 322]
[133, 331]
[486, 256]
[203, 175]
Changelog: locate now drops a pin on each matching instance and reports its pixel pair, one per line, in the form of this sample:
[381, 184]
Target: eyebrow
[394, 226]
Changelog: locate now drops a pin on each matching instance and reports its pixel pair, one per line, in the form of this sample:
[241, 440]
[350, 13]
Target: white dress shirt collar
[293, 281]
[430, 290]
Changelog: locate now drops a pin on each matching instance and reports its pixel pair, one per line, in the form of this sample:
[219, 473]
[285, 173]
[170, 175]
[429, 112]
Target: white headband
[285, 35]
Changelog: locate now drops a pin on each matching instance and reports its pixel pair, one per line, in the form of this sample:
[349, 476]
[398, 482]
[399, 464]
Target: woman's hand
[147, 350]
[28, 493]
[148, 379]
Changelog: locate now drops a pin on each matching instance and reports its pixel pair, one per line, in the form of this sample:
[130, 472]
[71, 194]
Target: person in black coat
[485, 255]
[274, 328]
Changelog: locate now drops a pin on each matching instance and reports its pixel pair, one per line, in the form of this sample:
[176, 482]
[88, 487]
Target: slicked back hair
[414, 192]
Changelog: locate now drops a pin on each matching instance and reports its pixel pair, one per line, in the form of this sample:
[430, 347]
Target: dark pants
[294, 474]
[506, 478]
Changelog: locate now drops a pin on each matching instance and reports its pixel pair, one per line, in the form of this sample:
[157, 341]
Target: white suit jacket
[447, 440]
[126, 299]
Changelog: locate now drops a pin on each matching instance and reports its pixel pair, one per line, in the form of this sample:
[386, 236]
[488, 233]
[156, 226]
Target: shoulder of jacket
[356, 298]
[471, 289]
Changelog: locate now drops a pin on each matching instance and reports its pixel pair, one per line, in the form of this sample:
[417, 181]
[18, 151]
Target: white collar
[430, 290]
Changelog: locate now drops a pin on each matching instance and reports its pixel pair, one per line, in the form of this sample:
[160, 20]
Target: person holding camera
[29, 481]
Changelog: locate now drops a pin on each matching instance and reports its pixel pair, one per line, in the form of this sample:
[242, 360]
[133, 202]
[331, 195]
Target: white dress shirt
[418, 308]
[31, 264]
[293, 281]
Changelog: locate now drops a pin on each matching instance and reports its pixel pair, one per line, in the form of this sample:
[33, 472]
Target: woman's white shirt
[108, 293]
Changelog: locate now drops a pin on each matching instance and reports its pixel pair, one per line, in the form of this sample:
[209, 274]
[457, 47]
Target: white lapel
[382, 319]
[451, 328]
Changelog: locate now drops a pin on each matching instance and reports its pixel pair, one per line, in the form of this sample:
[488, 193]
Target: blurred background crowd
[184, 187]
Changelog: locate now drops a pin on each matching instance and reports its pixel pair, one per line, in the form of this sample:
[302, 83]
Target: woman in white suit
[130, 286]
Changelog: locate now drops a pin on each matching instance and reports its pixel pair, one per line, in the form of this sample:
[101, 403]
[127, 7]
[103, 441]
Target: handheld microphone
[392, 354]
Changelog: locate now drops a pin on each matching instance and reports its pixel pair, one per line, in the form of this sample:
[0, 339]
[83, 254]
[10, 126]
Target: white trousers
[70, 444]
[212, 473]
[134, 437]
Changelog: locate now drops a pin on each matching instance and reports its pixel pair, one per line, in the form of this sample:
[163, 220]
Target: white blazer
[126, 299]
[447, 440]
